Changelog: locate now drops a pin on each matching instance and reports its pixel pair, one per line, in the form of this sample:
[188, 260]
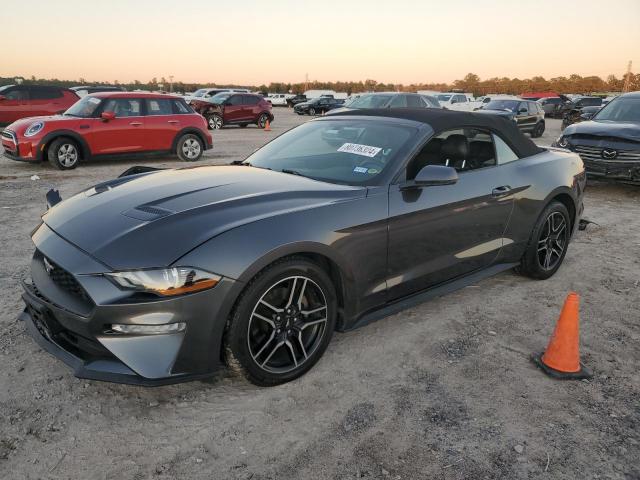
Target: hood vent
[147, 213]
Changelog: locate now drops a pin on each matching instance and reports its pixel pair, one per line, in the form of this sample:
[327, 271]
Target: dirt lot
[444, 390]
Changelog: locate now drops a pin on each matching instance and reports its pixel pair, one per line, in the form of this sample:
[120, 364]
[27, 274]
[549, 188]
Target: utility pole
[170, 83]
[627, 80]
[306, 82]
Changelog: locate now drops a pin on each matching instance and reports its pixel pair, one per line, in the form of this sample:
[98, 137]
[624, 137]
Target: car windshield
[84, 108]
[620, 110]
[508, 105]
[350, 152]
[220, 97]
[201, 92]
[6, 87]
[444, 98]
[370, 101]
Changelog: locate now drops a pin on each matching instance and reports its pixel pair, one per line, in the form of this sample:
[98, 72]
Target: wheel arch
[184, 131]
[45, 143]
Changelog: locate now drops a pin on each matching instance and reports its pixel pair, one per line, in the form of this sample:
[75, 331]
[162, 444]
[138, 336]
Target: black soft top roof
[441, 120]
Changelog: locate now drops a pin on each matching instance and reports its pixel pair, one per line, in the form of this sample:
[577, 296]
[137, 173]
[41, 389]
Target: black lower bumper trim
[106, 370]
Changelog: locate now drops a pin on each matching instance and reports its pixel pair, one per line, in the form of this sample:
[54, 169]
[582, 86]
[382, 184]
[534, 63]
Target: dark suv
[527, 114]
[317, 106]
[20, 101]
[229, 108]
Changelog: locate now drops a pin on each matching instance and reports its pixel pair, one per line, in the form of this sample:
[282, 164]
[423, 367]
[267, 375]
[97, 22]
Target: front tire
[189, 148]
[215, 122]
[548, 244]
[282, 322]
[262, 120]
[64, 154]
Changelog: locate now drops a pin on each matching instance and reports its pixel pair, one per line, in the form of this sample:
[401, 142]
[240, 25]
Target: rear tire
[282, 323]
[63, 153]
[548, 244]
[312, 111]
[538, 130]
[189, 148]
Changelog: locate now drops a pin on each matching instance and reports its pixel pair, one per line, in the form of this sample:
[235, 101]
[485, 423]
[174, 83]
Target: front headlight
[165, 282]
[33, 129]
[562, 142]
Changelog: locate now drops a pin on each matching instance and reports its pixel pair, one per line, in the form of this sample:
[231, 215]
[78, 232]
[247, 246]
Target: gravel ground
[444, 390]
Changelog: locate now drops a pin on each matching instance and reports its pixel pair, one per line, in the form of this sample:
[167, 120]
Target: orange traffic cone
[562, 357]
[267, 126]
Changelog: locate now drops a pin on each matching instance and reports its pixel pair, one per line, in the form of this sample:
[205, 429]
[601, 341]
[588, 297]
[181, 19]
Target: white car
[278, 99]
[455, 101]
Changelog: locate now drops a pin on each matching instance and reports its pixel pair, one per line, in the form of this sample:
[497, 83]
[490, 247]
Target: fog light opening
[147, 329]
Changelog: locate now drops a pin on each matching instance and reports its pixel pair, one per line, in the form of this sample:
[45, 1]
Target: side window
[44, 93]
[503, 151]
[158, 106]
[398, 101]
[486, 100]
[234, 100]
[180, 107]
[533, 110]
[123, 107]
[250, 99]
[463, 149]
[414, 101]
[17, 93]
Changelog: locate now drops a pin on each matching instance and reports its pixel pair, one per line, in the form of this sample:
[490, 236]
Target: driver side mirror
[522, 110]
[106, 116]
[433, 175]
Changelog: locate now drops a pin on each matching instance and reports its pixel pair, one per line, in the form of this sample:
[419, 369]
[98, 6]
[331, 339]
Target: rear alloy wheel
[262, 120]
[549, 241]
[538, 130]
[215, 122]
[282, 323]
[189, 148]
[63, 153]
[312, 111]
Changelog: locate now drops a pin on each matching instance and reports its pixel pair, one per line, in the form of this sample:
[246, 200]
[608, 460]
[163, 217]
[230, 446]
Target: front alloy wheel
[282, 323]
[549, 242]
[63, 153]
[189, 148]
[262, 120]
[215, 122]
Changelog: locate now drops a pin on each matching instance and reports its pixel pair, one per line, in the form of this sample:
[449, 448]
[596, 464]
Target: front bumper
[69, 313]
[627, 171]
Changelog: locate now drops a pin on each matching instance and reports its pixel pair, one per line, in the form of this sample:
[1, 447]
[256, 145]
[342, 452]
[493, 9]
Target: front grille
[595, 154]
[9, 135]
[64, 279]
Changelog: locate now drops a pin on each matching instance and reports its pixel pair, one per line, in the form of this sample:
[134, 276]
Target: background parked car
[318, 106]
[455, 101]
[20, 101]
[390, 100]
[86, 90]
[609, 143]
[578, 103]
[229, 108]
[527, 114]
[578, 115]
[278, 99]
[108, 124]
[551, 105]
[296, 99]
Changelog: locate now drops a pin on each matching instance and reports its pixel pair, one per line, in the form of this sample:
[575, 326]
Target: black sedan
[318, 106]
[528, 115]
[609, 143]
[165, 275]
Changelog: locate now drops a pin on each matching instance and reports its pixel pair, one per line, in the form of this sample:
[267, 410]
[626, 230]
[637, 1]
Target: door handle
[501, 191]
[135, 124]
[173, 121]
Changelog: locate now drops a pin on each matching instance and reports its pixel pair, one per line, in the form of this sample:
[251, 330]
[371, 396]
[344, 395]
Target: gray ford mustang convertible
[162, 276]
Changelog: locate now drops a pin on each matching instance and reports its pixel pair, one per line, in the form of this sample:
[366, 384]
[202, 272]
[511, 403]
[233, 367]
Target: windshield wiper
[247, 164]
[291, 172]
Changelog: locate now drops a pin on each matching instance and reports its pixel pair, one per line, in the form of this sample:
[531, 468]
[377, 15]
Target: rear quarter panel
[538, 180]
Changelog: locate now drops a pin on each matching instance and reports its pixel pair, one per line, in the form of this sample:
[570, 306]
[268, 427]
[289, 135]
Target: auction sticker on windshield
[364, 150]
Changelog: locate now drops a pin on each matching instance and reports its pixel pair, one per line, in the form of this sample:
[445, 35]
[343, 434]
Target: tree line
[470, 83]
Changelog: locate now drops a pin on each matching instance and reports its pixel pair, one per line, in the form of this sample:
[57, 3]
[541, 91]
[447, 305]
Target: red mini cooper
[110, 124]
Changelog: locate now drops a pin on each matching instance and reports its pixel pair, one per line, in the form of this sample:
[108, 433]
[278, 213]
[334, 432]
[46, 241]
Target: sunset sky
[254, 42]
